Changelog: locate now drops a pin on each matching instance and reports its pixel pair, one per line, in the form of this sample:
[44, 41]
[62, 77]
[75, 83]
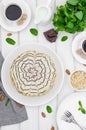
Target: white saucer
[71, 104]
[77, 43]
[13, 26]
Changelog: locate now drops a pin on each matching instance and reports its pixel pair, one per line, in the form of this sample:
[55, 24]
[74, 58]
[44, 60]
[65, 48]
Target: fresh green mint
[70, 17]
[7, 101]
[73, 2]
[34, 31]
[81, 108]
[49, 109]
[64, 38]
[10, 41]
[79, 15]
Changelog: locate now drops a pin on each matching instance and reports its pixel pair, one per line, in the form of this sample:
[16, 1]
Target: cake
[33, 73]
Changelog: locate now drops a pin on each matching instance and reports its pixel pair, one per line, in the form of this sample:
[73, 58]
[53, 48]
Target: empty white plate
[10, 25]
[71, 104]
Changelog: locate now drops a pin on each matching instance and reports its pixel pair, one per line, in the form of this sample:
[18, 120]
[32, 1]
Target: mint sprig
[81, 108]
[70, 17]
[49, 109]
[10, 41]
[34, 31]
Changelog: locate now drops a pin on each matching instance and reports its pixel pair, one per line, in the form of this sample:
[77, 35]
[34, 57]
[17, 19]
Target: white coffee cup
[83, 44]
[5, 6]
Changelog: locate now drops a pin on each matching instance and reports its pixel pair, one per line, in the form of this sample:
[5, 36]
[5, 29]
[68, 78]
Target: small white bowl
[75, 89]
[39, 16]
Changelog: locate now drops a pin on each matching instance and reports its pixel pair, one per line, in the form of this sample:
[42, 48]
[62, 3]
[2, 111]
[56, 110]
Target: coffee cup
[12, 12]
[84, 46]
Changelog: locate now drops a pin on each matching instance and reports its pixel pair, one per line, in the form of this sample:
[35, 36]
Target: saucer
[13, 25]
[76, 45]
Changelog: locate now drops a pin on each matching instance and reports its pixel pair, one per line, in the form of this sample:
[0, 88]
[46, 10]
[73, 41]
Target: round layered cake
[33, 73]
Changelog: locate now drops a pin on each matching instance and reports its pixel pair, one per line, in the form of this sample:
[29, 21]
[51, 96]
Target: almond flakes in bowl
[78, 80]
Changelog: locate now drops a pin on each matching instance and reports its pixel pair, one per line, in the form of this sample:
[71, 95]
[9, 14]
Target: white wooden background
[35, 120]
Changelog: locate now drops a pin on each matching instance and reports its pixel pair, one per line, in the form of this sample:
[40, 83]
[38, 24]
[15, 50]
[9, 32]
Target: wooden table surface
[35, 120]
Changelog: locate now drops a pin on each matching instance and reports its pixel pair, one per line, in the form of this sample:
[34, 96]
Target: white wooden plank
[64, 51]
[26, 37]
[35, 121]
[5, 47]
[50, 120]
[32, 122]
[41, 37]
[79, 66]
[11, 127]
[46, 27]
[0, 48]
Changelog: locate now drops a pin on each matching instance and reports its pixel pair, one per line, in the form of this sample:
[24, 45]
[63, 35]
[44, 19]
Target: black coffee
[84, 45]
[13, 12]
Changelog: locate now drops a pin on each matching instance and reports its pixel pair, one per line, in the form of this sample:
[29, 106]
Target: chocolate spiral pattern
[33, 73]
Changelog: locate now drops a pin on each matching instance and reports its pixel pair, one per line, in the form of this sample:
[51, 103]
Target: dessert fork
[68, 117]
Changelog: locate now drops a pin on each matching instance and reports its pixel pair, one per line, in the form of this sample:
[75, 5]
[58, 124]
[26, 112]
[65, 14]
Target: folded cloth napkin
[11, 112]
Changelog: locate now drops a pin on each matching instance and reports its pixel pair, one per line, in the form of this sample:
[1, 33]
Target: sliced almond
[9, 34]
[67, 71]
[43, 114]
[24, 17]
[2, 98]
[20, 105]
[52, 128]
[20, 22]
[84, 64]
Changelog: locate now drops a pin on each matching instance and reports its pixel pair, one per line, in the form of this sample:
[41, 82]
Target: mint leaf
[83, 111]
[7, 101]
[73, 2]
[70, 25]
[10, 41]
[81, 108]
[34, 31]
[64, 38]
[80, 104]
[79, 15]
[49, 109]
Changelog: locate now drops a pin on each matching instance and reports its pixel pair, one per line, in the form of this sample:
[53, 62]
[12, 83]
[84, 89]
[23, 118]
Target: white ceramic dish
[43, 15]
[71, 104]
[13, 26]
[75, 89]
[77, 44]
[12, 92]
